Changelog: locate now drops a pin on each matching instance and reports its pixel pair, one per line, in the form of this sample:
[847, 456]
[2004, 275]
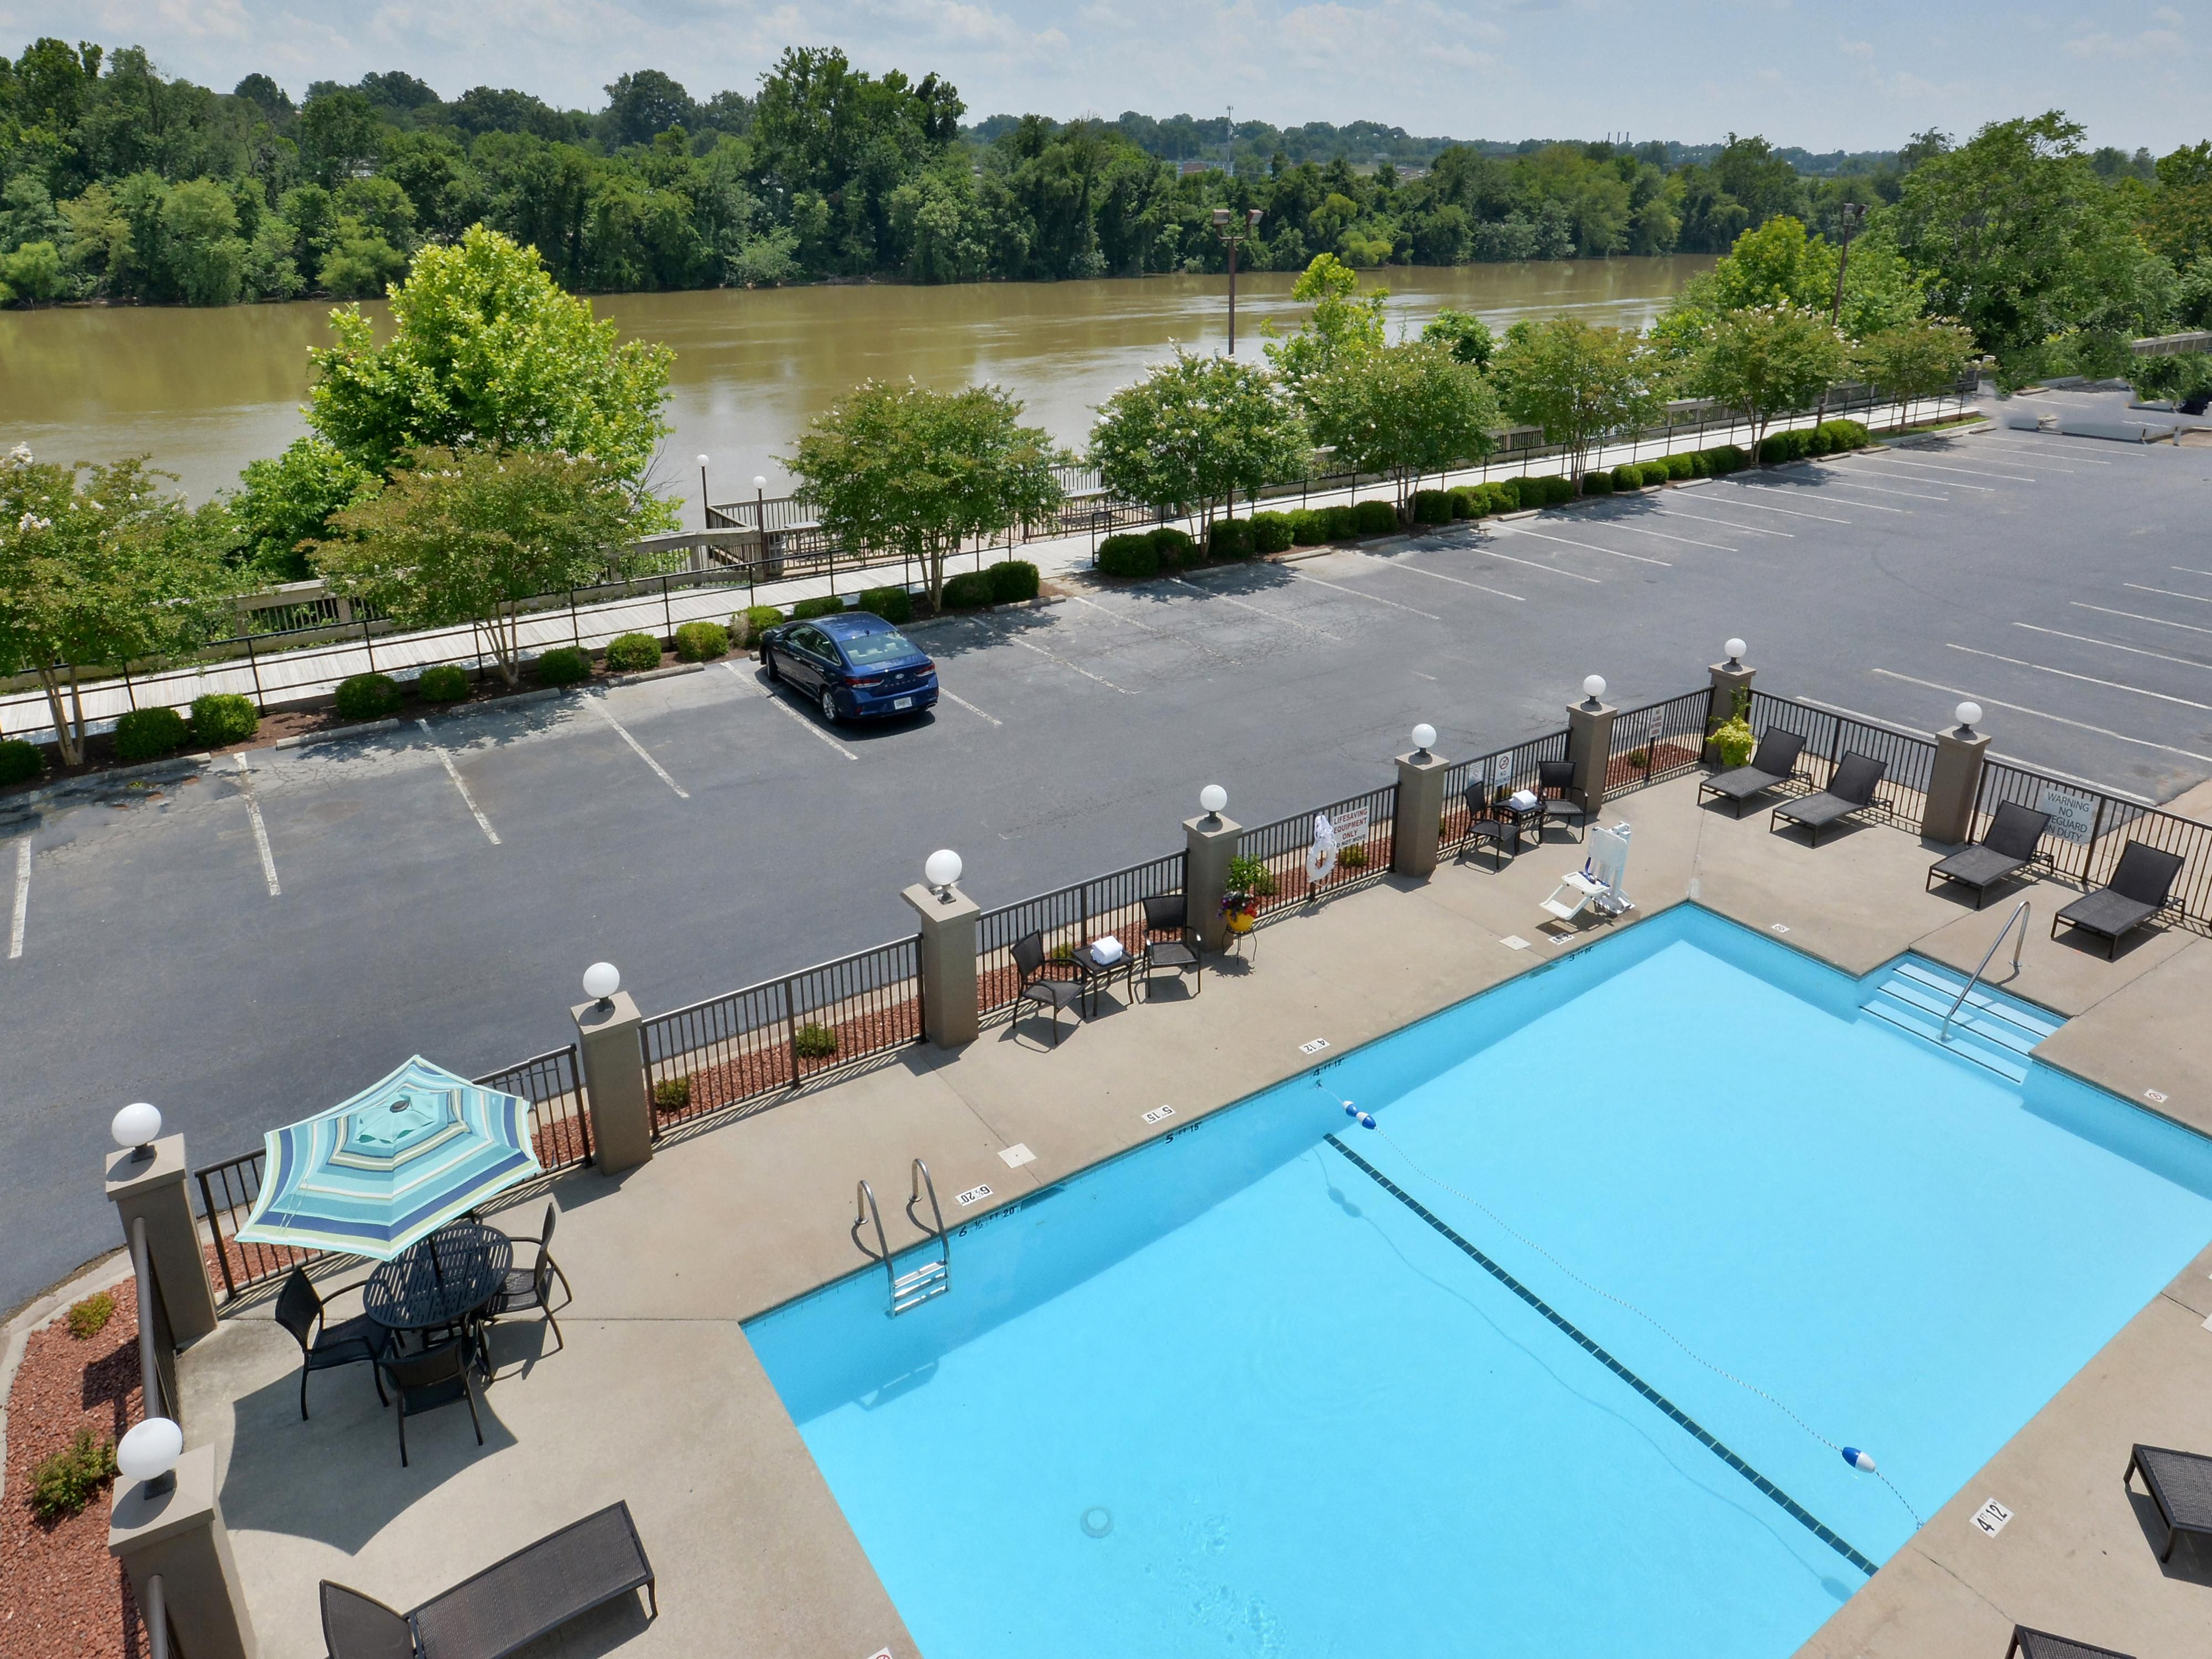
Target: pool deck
[657, 1398]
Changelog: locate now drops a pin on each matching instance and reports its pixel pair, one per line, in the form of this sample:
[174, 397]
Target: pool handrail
[2019, 914]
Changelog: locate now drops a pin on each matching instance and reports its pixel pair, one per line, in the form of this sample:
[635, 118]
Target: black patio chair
[2142, 886]
[2042, 1644]
[2006, 847]
[1052, 994]
[507, 1606]
[1485, 828]
[1169, 914]
[423, 1381]
[533, 1286]
[299, 1310]
[1557, 797]
[1774, 762]
[2181, 1483]
[1849, 792]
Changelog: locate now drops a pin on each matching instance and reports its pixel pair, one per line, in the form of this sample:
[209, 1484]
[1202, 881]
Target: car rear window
[879, 648]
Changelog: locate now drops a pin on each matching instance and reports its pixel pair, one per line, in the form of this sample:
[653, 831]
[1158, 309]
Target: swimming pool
[1266, 1387]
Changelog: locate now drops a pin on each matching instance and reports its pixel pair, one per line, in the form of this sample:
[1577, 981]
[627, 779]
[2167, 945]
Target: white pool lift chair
[1596, 887]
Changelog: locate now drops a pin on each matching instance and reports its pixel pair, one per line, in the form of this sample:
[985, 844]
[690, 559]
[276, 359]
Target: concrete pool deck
[657, 1398]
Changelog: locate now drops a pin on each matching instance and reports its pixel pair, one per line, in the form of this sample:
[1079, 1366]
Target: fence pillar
[153, 1188]
[615, 1088]
[1419, 824]
[178, 1535]
[1209, 842]
[1589, 748]
[1728, 679]
[949, 1016]
[1953, 783]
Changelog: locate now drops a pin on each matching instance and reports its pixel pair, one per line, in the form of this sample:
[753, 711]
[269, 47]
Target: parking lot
[257, 943]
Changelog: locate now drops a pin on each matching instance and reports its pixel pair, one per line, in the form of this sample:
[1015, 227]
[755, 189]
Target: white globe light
[1736, 648]
[136, 1124]
[601, 980]
[1594, 687]
[1968, 712]
[759, 483]
[943, 868]
[702, 460]
[1423, 735]
[1213, 798]
[150, 1450]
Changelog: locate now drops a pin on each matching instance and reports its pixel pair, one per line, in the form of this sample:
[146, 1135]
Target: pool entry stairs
[1993, 1030]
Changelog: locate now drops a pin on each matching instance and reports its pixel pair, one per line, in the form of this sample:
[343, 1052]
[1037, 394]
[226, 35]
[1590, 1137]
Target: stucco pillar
[1589, 747]
[614, 1082]
[179, 1535]
[154, 1187]
[1727, 677]
[949, 1016]
[1953, 783]
[1209, 842]
[1416, 830]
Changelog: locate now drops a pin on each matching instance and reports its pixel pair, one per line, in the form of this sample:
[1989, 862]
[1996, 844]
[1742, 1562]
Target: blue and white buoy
[1863, 1461]
[1362, 1119]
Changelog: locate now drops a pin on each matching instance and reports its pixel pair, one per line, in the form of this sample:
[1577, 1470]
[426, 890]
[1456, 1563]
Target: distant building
[1190, 168]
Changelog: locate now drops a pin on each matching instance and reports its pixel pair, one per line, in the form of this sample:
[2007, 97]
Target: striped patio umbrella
[400, 1159]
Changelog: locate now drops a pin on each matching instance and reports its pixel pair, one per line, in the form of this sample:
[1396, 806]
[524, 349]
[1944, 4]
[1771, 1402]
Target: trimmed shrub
[749, 624]
[1680, 466]
[222, 717]
[367, 697]
[88, 1318]
[1173, 547]
[1723, 459]
[672, 1094]
[1354, 857]
[1270, 532]
[1467, 502]
[1779, 447]
[1844, 435]
[1655, 473]
[701, 641]
[633, 653]
[1230, 538]
[447, 682]
[1432, 506]
[1733, 742]
[563, 665]
[146, 734]
[1343, 524]
[1128, 555]
[823, 605]
[1308, 526]
[812, 1042]
[894, 604]
[19, 761]
[64, 1484]
[1818, 441]
[1597, 484]
[1625, 477]
[969, 591]
[1507, 492]
[1374, 517]
[1555, 491]
[1013, 581]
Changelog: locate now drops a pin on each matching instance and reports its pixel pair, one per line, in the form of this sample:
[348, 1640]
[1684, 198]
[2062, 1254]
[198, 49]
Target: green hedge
[1627, 475]
[446, 683]
[825, 605]
[1308, 526]
[894, 604]
[633, 653]
[1597, 484]
[368, 697]
[223, 717]
[1230, 538]
[1173, 547]
[747, 626]
[1723, 459]
[1013, 581]
[969, 591]
[1374, 517]
[1680, 466]
[1655, 473]
[1128, 555]
[1432, 506]
[701, 641]
[1844, 435]
[1270, 532]
[19, 761]
[563, 665]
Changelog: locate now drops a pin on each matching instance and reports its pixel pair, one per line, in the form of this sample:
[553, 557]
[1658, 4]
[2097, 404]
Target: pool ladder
[908, 1290]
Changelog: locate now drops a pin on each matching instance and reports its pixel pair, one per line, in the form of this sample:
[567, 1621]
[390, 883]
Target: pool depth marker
[1795, 1511]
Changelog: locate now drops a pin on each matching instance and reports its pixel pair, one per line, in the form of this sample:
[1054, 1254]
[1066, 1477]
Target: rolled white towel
[1521, 800]
[1106, 951]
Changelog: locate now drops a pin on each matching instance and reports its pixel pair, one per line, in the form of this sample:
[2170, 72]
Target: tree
[104, 573]
[468, 536]
[1780, 263]
[34, 272]
[1466, 336]
[1404, 409]
[488, 353]
[2178, 221]
[643, 106]
[287, 503]
[1915, 358]
[1767, 360]
[1576, 382]
[903, 469]
[1345, 321]
[1195, 431]
[338, 135]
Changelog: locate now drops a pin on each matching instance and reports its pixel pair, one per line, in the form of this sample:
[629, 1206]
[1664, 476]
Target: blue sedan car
[856, 666]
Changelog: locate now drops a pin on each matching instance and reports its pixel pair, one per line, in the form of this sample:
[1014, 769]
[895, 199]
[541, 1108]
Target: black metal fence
[2089, 830]
[1658, 741]
[1284, 851]
[1500, 772]
[1907, 761]
[1105, 905]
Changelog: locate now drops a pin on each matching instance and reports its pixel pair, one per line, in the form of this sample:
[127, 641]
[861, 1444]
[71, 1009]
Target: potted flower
[1249, 881]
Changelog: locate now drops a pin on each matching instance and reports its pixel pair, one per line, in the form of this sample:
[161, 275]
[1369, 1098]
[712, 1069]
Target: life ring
[1320, 856]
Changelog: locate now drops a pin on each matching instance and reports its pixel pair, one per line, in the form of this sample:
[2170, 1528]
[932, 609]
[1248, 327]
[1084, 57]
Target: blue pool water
[1228, 1394]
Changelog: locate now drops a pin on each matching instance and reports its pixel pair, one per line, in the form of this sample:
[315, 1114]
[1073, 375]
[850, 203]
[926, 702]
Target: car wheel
[828, 708]
[768, 661]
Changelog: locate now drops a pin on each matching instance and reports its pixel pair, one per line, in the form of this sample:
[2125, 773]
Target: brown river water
[206, 391]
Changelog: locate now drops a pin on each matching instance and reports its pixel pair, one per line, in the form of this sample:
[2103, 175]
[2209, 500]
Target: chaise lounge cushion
[2141, 885]
[1774, 762]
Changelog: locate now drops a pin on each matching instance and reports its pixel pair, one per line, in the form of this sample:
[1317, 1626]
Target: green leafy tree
[1195, 431]
[338, 135]
[1767, 359]
[2178, 218]
[100, 572]
[1404, 409]
[1576, 382]
[1781, 263]
[287, 502]
[487, 353]
[33, 272]
[1916, 359]
[1466, 336]
[903, 469]
[1346, 320]
[469, 536]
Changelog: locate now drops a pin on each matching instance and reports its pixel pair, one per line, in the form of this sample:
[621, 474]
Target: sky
[1828, 76]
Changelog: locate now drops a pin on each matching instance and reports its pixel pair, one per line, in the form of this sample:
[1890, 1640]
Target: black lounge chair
[1171, 915]
[436, 1377]
[1557, 797]
[2141, 885]
[1486, 827]
[2181, 1483]
[2006, 847]
[347, 1342]
[1054, 994]
[525, 1288]
[1850, 791]
[507, 1606]
[2042, 1644]
[1774, 762]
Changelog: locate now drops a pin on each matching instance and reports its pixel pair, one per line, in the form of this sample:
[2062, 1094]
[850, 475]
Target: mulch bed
[767, 1066]
[62, 1595]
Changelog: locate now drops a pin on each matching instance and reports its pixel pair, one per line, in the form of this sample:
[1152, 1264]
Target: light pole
[1234, 237]
[705, 511]
[1850, 214]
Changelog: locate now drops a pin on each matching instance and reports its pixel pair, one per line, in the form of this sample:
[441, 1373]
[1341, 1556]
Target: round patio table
[441, 1280]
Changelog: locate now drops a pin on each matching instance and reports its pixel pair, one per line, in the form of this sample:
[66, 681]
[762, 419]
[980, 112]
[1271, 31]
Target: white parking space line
[2010, 760]
[2106, 611]
[1587, 547]
[467, 800]
[1489, 552]
[805, 724]
[260, 829]
[1880, 490]
[1437, 575]
[953, 697]
[1726, 523]
[2133, 650]
[1981, 490]
[1894, 460]
[597, 706]
[1257, 610]
[1763, 507]
[23, 910]
[2167, 592]
[2056, 719]
[1064, 663]
[1780, 489]
[1371, 597]
[2086, 679]
[2025, 449]
[1686, 541]
[2189, 570]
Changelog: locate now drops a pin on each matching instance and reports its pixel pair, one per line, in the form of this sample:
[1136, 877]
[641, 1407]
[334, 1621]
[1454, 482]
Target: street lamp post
[1234, 237]
[1851, 214]
[704, 510]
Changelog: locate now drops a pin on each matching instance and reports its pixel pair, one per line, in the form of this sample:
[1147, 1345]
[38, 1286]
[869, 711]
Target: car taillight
[928, 667]
[864, 679]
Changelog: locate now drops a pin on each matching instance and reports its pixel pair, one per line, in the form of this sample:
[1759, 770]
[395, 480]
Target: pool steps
[1993, 1030]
